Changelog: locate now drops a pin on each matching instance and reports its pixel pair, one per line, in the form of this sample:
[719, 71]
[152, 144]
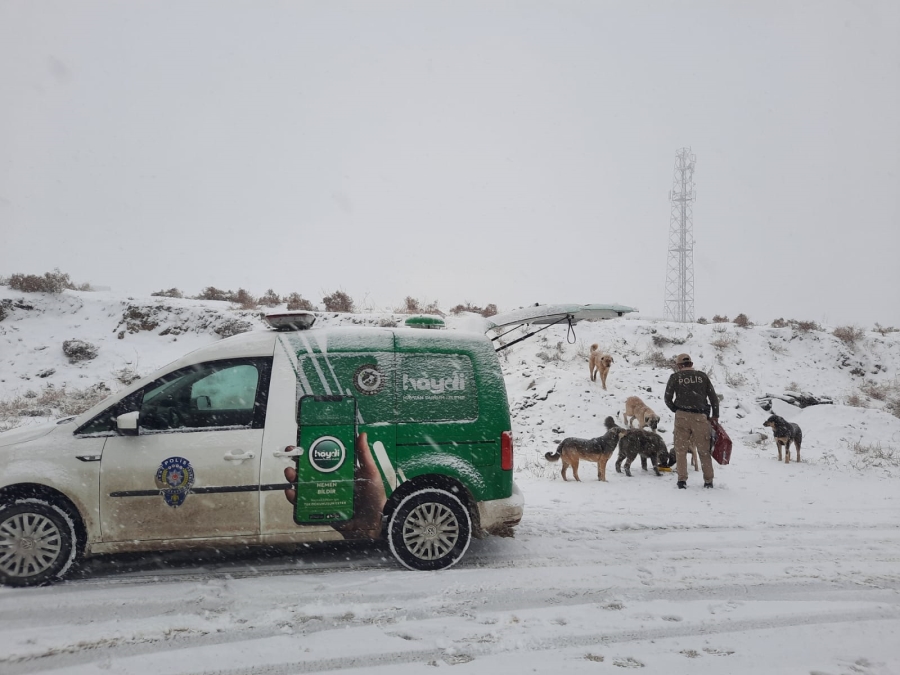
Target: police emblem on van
[368, 379]
[327, 454]
[175, 478]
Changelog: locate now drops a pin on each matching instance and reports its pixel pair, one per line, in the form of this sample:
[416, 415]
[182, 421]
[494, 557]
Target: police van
[195, 455]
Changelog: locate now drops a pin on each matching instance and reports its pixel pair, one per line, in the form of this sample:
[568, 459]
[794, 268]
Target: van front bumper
[500, 516]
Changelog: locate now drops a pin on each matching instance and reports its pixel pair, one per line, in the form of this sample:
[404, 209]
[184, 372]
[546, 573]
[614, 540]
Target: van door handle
[289, 451]
[232, 457]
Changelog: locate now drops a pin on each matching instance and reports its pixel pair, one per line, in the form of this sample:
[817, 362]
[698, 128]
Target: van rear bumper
[500, 516]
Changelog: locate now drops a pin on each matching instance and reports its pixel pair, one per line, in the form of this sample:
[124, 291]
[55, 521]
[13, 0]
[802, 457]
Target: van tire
[429, 530]
[37, 543]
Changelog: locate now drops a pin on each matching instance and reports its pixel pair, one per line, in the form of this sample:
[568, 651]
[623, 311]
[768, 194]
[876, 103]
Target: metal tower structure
[680, 268]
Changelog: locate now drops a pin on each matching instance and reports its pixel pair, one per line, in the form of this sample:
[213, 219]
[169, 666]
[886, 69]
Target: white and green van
[195, 454]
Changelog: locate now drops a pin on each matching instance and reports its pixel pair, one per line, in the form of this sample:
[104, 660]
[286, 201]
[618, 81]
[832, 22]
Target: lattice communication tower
[680, 268]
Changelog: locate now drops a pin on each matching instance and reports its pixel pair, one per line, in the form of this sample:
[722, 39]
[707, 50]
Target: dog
[636, 409]
[785, 433]
[666, 461]
[647, 444]
[600, 449]
[599, 363]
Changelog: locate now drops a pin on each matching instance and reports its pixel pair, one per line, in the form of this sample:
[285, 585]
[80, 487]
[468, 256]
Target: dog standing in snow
[598, 362]
[785, 433]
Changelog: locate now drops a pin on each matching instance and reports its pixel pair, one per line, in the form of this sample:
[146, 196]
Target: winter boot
[682, 485]
[708, 484]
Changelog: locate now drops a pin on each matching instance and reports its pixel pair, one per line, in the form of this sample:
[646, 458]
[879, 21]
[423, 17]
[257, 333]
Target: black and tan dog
[573, 450]
[647, 444]
[785, 433]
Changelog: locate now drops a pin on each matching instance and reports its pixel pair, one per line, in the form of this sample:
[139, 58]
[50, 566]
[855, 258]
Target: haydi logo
[327, 454]
[435, 385]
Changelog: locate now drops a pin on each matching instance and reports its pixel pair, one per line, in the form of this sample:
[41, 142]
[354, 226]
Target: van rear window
[436, 388]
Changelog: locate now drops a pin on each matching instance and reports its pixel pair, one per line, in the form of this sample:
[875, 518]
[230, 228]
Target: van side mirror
[127, 424]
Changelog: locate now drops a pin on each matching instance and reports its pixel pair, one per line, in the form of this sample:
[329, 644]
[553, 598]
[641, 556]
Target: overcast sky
[483, 152]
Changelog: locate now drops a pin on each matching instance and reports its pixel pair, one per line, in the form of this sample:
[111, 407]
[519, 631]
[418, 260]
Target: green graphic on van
[326, 425]
[327, 454]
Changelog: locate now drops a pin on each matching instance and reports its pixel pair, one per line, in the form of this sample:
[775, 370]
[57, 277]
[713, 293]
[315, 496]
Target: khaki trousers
[692, 430]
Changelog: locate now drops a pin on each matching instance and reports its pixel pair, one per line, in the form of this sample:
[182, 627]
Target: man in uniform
[691, 396]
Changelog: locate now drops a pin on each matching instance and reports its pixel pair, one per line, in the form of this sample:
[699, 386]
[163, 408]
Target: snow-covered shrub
[735, 379]
[884, 330]
[79, 350]
[270, 299]
[778, 348]
[338, 301]
[213, 293]
[893, 406]
[489, 310]
[51, 282]
[412, 305]
[804, 326]
[170, 293]
[656, 359]
[873, 455]
[296, 302]
[50, 402]
[723, 339]
[243, 298]
[849, 335]
[661, 340]
[231, 327]
[856, 401]
[875, 390]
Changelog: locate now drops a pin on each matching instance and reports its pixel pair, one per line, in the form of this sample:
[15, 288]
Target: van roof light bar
[291, 321]
[424, 322]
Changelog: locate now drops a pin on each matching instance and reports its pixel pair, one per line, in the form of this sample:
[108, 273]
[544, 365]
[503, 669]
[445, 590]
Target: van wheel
[37, 543]
[429, 530]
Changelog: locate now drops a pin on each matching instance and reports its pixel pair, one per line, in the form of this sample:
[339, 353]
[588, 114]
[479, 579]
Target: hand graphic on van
[369, 496]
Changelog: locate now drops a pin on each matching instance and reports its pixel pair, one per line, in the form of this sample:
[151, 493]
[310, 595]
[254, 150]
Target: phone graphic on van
[327, 430]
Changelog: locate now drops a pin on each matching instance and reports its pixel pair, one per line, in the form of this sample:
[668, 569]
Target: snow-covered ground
[782, 568]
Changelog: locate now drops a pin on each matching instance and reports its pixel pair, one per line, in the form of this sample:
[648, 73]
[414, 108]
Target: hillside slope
[551, 395]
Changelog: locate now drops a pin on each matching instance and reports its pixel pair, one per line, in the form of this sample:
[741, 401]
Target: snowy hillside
[550, 393]
[552, 396]
[779, 569]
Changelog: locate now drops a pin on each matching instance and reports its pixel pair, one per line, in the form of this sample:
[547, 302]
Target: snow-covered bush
[79, 350]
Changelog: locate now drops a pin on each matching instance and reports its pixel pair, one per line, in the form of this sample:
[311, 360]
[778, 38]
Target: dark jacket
[691, 390]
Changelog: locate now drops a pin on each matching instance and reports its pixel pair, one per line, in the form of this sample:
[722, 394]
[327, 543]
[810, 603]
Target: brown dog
[599, 363]
[573, 450]
[636, 409]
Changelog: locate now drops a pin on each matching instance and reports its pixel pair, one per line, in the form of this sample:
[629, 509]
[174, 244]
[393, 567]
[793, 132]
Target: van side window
[216, 394]
[436, 388]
